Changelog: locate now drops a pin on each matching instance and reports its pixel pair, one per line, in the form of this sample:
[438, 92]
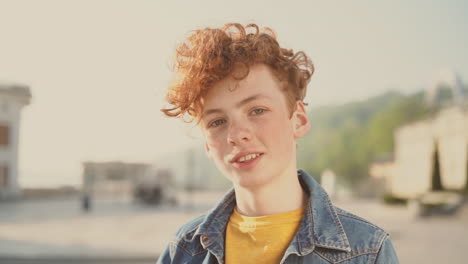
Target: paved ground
[58, 228]
[48, 229]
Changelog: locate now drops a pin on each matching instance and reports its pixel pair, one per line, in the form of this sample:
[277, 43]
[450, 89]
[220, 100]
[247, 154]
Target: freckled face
[249, 133]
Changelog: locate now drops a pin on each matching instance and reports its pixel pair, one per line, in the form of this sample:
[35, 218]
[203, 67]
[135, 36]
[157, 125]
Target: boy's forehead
[239, 102]
[259, 80]
[259, 84]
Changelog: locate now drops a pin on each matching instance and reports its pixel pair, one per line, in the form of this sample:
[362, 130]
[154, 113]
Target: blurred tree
[346, 138]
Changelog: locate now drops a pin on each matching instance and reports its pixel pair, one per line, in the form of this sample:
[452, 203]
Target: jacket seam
[214, 240]
[183, 234]
[176, 245]
[177, 241]
[352, 216]
[225, 204]
[382, 240]
[311, 227]
[355, 255]
[362, 251]
[362, 220]
[337, 222]
[324, 258]
[187, 251]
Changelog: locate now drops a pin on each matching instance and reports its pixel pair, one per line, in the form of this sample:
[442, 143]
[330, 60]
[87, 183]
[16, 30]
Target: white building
[432, 154]
[13, 98]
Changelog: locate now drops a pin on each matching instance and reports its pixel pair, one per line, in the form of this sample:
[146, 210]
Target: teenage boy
[246, 93]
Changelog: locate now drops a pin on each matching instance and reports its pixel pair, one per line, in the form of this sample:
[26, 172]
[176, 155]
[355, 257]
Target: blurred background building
[192, 169]
[113, 179]
[430, 154]
[123, 180]
[13, 97]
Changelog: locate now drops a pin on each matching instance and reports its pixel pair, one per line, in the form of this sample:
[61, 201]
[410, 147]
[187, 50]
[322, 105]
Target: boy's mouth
[245, 157]
[248, 157]
[246, 161]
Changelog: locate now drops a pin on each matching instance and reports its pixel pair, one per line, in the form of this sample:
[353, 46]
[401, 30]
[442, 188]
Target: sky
[98, 69]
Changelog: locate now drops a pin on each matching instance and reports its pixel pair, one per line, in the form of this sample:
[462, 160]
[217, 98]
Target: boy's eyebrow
[239, 104]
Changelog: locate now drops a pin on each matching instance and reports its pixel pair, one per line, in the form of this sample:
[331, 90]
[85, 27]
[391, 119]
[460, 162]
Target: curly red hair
[212, 54]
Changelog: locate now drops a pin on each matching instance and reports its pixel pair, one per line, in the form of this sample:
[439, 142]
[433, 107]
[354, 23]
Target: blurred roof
[15, 89]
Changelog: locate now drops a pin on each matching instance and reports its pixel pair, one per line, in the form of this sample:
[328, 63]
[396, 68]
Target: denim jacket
[326, 234]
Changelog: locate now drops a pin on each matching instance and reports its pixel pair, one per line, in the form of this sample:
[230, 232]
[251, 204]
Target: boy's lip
[248, 164]
[243, 153]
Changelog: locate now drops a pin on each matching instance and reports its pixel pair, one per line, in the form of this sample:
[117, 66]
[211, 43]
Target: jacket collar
[320, 225]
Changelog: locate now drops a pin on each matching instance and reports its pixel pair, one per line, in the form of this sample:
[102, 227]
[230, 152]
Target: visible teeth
[248, 157]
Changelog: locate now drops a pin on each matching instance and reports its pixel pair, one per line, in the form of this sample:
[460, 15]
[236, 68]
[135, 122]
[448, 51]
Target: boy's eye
[217, 122]
[258, 111]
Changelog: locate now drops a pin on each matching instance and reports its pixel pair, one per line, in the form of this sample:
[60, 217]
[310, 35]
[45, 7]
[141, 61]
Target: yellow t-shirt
[262, 239]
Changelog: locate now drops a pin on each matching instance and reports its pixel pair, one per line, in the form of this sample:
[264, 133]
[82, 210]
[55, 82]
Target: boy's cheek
[212, 149]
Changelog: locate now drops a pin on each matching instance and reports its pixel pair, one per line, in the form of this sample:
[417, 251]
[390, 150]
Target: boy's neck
[280, 196]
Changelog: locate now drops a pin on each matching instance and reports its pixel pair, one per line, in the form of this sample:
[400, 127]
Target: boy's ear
[207, 150]
[301, 120]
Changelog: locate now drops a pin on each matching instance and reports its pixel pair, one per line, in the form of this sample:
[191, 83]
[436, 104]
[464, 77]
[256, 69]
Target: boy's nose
[239, 133]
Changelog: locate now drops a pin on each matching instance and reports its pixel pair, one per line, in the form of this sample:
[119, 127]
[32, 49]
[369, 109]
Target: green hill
[347, 137]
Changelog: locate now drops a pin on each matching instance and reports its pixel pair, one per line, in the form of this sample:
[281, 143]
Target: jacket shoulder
[365, 239]
[183, 241]
[361, 233]
[188, 229]
[343, 214]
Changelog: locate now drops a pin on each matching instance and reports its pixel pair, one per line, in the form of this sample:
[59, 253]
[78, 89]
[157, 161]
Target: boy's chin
[250, 182]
